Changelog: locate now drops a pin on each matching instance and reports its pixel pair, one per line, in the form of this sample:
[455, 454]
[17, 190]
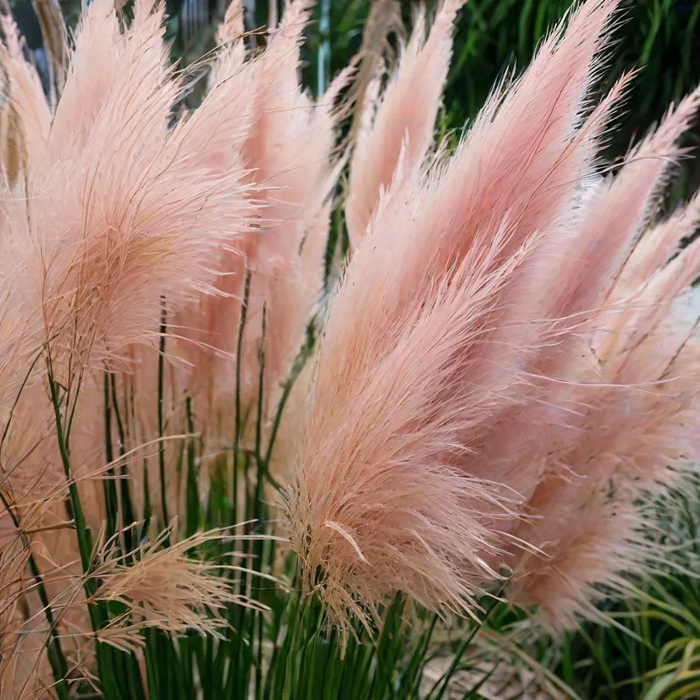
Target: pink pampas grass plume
[449, 418]
[285, 140]
[119, 217]
[165, 588]
[633, 404]
[115, 217]
[380, 506]
[289, 151]
[383, 20]
[25, 116]
[105, 230]
[400, 128]
[632, 440]
[599, 237]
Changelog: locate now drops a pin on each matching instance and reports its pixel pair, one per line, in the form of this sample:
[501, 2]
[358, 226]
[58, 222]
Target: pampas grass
[448, 379]
[398, 132]
[485, 406]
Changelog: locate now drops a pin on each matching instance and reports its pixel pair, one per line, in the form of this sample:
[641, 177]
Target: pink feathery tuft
[107, 233]
[115, 225]
[26, 116]
[630, 407]
[401, 130]
[380, 506]
[427, 373]
[657, 247]
[290, 153]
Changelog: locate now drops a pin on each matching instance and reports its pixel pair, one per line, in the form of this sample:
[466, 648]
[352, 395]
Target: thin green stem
[239, 361]
[443, 682]
[298, 365]
[6, 430]
[127, 510]
[192, 490]
[161, 429]
[108, 485]
[76, 509]
[98, 615]
[259, 506]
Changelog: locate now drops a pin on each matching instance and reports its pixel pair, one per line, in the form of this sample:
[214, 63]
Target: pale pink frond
[404, 119]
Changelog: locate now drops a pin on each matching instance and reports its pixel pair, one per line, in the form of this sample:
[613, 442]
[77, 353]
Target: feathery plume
[383, 20]
[380, 506]
[460, 423]
[164, 588]
[401, 130]
[630, 406]
[25, 112]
